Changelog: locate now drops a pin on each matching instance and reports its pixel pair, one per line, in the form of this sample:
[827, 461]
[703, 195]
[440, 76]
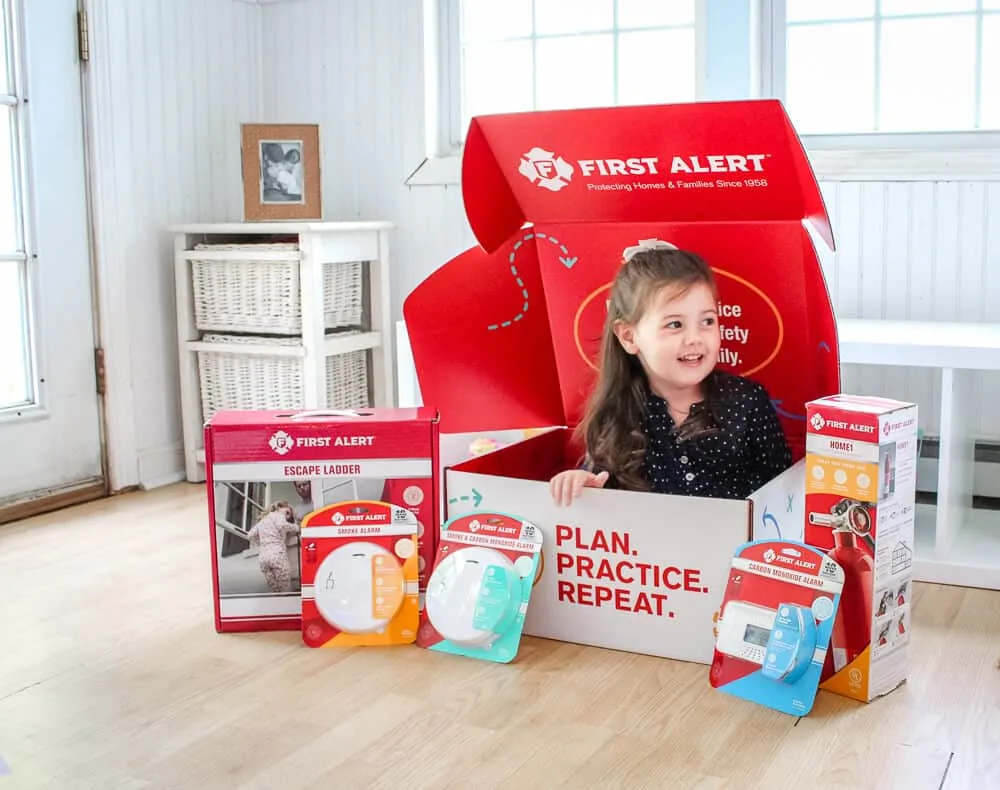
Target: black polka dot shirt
[747, 449]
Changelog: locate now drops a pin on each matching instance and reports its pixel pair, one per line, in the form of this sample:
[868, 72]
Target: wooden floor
[112, 676]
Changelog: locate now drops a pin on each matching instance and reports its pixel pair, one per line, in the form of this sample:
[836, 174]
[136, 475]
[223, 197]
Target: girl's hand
[568, 485]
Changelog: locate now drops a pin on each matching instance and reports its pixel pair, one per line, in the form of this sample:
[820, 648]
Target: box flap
[702, 162]
[481, 343]
[346, 417]
[863, 404]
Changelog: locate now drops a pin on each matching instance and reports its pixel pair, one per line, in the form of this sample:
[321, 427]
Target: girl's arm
[254, 536]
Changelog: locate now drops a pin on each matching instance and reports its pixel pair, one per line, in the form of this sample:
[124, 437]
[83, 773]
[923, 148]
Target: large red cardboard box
[262, 465]
[506, 336]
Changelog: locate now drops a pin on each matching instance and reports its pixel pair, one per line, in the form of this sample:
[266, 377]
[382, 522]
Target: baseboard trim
[986, 469]
[161, 466]
[987, 451]
[49, 500]
[978, 502]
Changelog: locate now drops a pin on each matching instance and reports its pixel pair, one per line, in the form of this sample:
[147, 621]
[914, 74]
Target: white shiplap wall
[921, 250]
[170, 81]
[356, 68]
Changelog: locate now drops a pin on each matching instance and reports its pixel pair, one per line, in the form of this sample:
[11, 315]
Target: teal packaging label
[494, 598]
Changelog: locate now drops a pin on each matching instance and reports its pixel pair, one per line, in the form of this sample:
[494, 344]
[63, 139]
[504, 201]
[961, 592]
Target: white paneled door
[50, 428]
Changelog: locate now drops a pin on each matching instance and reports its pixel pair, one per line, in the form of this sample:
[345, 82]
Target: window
[243, 507]
[16, 376]
[903, 66]
[520, 55]
[919, 77]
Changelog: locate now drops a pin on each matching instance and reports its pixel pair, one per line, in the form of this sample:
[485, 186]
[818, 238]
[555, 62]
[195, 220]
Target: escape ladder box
[506, 336]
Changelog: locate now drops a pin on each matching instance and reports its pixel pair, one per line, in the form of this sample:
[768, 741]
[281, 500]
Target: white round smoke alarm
[472, 594]
[359, 587]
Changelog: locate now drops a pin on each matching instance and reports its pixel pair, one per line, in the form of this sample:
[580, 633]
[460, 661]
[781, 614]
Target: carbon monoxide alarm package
[360, 575]
[478, 592]
[774, 627]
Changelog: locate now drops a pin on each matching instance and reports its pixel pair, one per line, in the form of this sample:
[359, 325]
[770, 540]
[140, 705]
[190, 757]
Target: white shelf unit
[956, 544]
[310, 249]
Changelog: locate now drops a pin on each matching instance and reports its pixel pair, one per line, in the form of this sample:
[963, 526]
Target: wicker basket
[263, 296]
[234, 380]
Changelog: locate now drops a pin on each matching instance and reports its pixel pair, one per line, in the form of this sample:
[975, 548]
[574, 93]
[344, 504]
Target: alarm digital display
[755, 635]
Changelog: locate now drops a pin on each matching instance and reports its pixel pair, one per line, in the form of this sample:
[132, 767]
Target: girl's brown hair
[613, 425]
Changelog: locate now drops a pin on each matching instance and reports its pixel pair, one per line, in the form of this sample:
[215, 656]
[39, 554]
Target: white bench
[955, 544]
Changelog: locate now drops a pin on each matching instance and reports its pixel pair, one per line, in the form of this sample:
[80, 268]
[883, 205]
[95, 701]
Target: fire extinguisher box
[268, 470]
[861, 470]
[505, 336]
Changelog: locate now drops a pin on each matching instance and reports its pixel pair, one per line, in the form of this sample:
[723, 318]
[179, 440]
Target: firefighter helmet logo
[281, 442]
[817, 421]
[545, 169]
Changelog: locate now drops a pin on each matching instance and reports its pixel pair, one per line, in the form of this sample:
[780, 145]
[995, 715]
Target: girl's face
[676, 339]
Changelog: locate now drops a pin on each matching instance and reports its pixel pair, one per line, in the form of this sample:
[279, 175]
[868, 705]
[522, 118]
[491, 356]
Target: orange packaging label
[852, 680]
[388, 587]
[854, 479]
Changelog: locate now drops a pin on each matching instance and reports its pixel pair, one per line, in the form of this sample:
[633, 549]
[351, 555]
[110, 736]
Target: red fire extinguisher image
[851, 521]
[852, 515]
[852, 626]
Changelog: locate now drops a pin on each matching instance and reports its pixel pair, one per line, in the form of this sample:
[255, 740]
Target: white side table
[318, 244]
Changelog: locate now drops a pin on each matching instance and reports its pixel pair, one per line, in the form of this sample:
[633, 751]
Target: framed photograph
[281, 172]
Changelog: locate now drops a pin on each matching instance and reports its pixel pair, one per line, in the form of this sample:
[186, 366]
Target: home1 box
[267, 470]
[506, 336]
[861, 472]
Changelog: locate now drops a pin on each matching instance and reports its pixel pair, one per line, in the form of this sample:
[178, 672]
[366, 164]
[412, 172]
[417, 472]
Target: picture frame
[281, 172]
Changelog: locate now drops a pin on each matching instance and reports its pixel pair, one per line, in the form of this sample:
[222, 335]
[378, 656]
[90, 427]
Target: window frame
[453, 129]
[12, 19]
[756, 30]
[774, 69]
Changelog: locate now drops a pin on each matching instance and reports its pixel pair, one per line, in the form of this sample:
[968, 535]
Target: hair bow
[646, 244]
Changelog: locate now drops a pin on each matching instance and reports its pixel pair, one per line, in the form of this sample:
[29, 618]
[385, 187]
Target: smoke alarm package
[360, 575]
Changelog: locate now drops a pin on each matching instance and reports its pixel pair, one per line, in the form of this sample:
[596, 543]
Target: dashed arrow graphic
[565, 259]
[476, 498]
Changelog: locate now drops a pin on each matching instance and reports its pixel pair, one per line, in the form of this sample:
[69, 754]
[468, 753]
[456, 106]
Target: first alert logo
[281, 442]
[545, 169]
[548, 170]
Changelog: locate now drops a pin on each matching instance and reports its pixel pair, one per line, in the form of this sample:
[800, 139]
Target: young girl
[661, 417]
[271, 534]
